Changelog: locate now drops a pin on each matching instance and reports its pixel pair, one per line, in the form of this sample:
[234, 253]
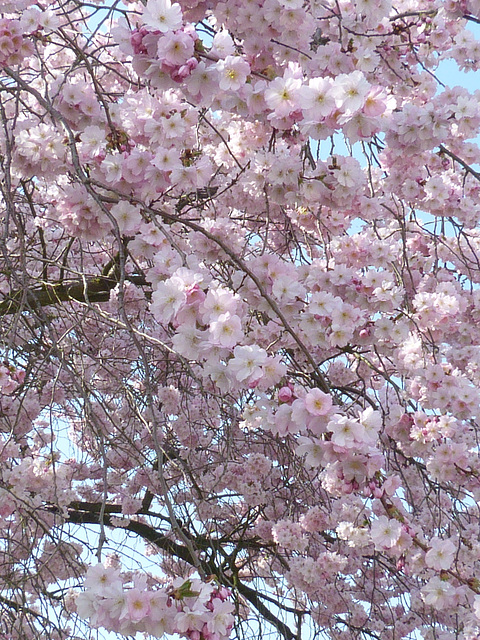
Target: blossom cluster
[239, 304]
[13, 46]
[10, 378]
[191, 608]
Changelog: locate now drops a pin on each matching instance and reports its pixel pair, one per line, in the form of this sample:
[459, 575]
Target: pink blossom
[441, 554]
[247, 362]
[190, 620]
[226, 331]
[167, 300]
[375, 102]
[233, 72]
[284, 422]
[385, 532]
[350, 91]
[112, 167]
[316, 98]
[166, 159]
[313, 449]
[162, 15]
[222, 44]
[282, 96]
[285, 394]
[127, 216]
[103, 581]
[175, 48]
[345, 431]
[223, 619]
[137, 605]
[438, 593]
[318, 403]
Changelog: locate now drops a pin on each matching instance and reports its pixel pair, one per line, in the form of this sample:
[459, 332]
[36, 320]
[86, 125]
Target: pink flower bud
[285, 395]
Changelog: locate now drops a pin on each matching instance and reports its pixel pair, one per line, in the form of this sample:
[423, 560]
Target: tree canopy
[239, 320]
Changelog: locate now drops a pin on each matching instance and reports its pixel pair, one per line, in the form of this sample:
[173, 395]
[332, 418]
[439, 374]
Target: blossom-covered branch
[239, 293]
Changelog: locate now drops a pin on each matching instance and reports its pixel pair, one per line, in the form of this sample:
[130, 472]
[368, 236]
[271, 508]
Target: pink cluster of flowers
[208, 322]
[170, 53]
[287, 214]
[128, 604]
[10, 378]
[13, 46]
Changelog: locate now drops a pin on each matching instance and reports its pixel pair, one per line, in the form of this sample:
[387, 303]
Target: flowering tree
[240, 268]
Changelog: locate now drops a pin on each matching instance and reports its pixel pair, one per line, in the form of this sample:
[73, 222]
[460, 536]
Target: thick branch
[255, 599]
[95, 289]
[92, 289]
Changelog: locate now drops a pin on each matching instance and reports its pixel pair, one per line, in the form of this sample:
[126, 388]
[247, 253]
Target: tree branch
[23, 609]
[95, 289]
[461, 162]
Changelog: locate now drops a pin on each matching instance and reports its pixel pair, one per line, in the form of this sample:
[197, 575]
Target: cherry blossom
[239, 301]
[233, 72]
[385, 532]
[247, 362]
[438, 593]
[441, 554]
[162, 15]
[282, 95]
[318, 403]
